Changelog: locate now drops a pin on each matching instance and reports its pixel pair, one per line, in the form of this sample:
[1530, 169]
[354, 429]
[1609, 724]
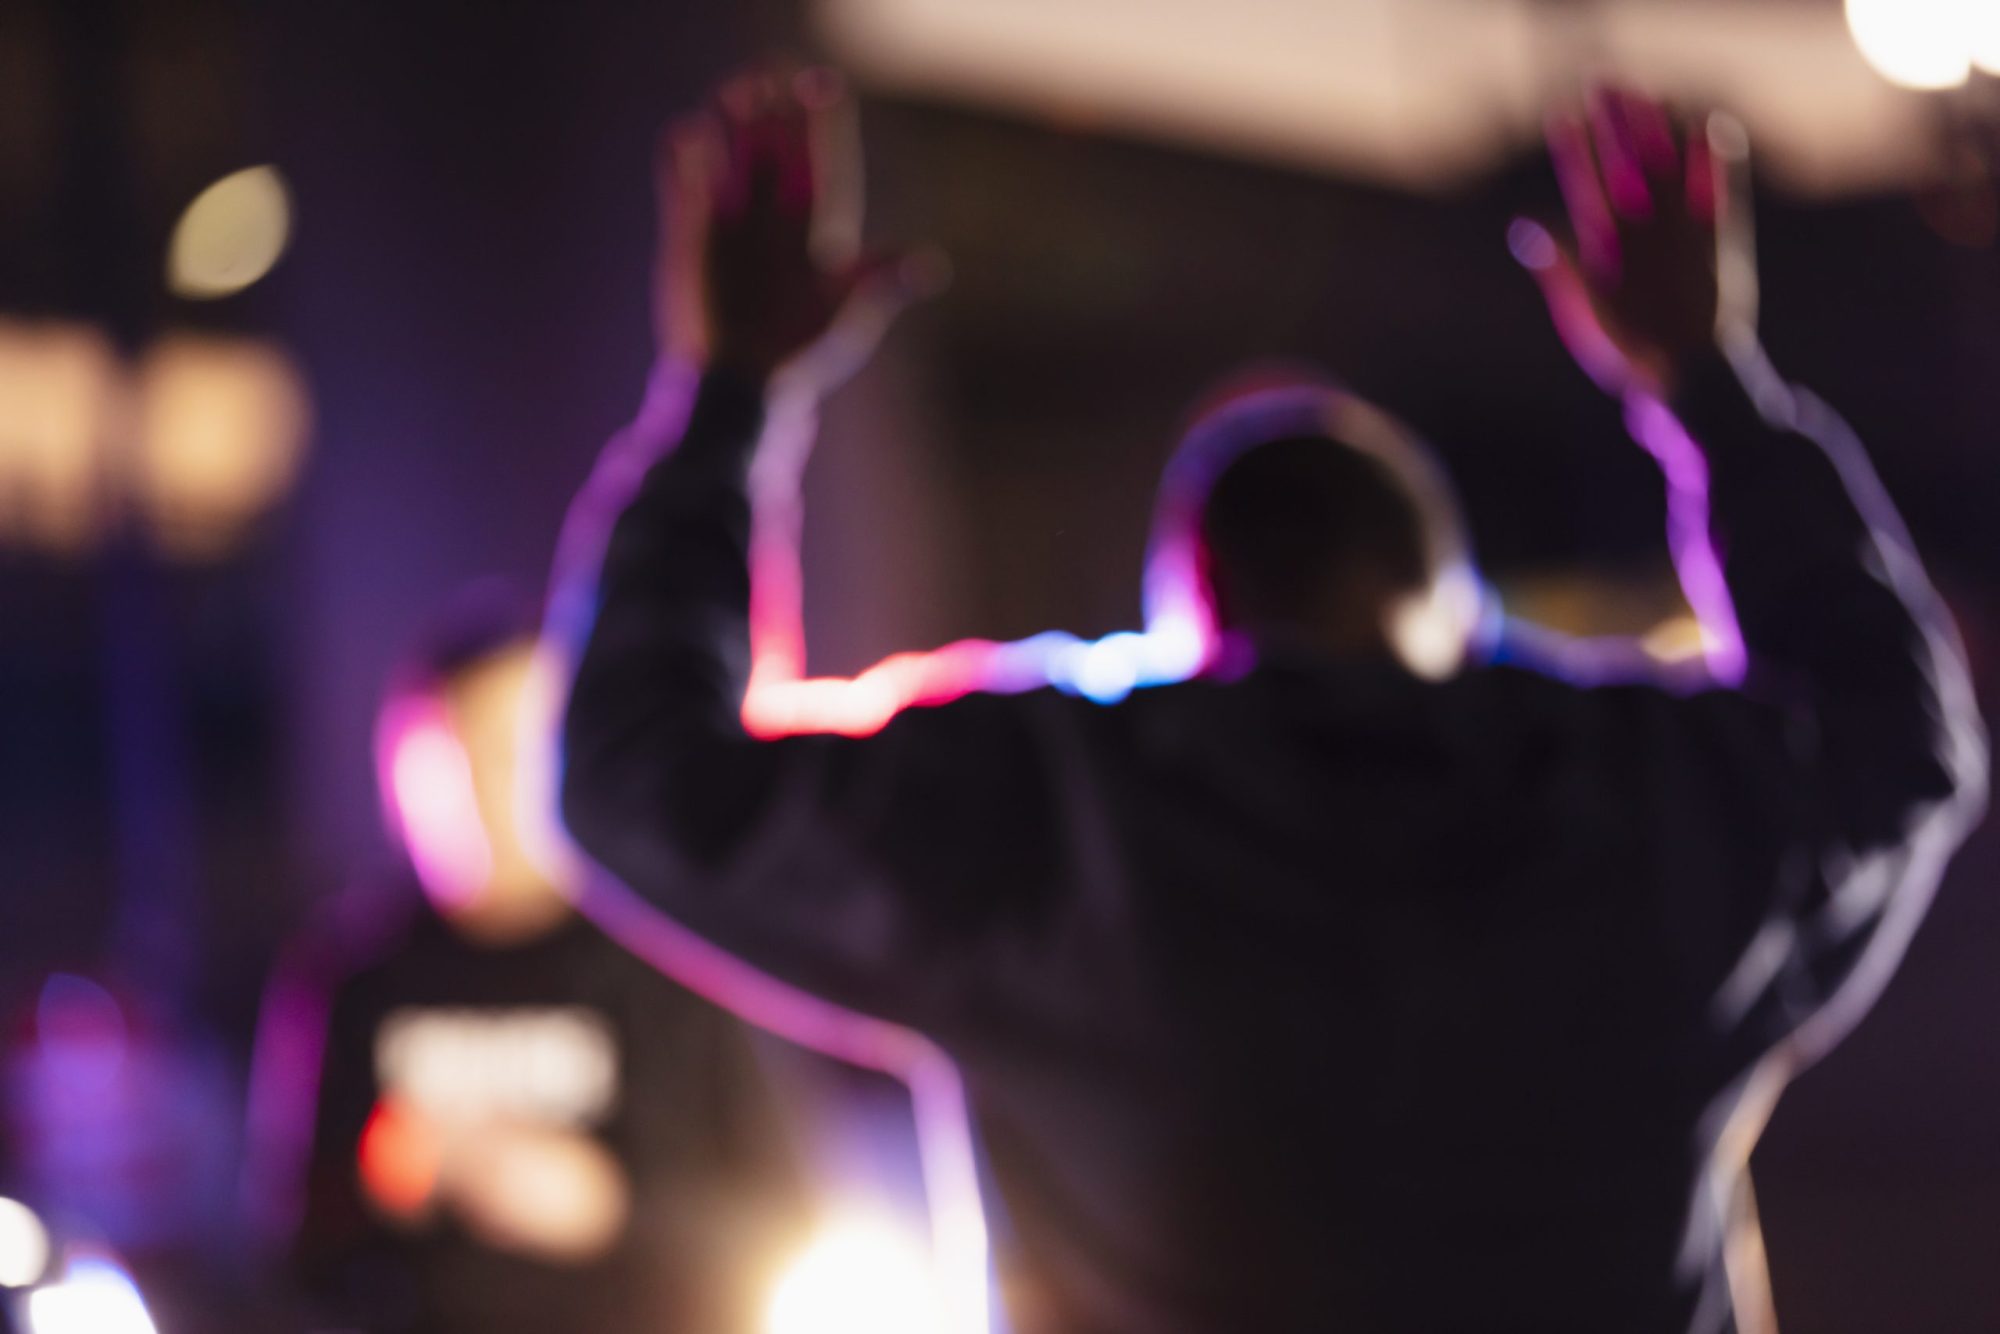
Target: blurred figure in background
[519, 1127]
[1383, 979]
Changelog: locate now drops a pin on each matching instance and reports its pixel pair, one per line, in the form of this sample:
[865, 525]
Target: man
[519, 1126]
[1360, 983]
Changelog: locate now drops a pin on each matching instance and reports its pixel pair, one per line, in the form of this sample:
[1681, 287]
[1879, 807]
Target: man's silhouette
[1374, 979]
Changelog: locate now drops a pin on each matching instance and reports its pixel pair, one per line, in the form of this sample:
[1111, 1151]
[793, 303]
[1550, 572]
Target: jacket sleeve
[1855, 743]
[859, 869]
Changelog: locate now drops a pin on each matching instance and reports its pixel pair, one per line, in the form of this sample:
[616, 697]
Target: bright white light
[1983, 25]
[1429, 631]
[432, 793]
[1924, 44]
[1108, 669]
[24, 1245]
[94, 1297]
[230, 235]
[860, 1276]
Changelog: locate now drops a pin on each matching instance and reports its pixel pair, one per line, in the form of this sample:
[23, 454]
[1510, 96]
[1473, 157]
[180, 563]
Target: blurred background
[312, 314]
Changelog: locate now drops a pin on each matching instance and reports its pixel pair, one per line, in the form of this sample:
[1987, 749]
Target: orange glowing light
[222, 426]
[61, 399]
[400, 1159]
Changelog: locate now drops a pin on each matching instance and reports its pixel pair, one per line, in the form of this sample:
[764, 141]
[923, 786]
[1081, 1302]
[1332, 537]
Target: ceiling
[1417, 93]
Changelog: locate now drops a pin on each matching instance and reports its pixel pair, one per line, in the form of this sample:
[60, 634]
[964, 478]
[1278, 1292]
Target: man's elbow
[646, 810]
[1944, 794]
[1965, 754]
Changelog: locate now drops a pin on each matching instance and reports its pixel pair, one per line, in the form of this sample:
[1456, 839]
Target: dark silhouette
[1385, 977]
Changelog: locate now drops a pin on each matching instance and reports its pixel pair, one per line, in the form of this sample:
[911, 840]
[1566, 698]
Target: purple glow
[1689, 540]
[286, 1059]
[945, 1145]
[427, 788]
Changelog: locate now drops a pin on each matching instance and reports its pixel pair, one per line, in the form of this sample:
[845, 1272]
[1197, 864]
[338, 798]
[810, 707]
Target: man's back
[1371, 999]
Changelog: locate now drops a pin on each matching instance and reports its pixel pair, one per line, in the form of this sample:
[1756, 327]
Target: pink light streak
[427, 789]
[1689, 540]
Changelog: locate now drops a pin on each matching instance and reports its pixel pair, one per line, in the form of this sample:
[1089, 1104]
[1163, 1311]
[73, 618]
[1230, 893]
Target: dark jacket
[1327, 998]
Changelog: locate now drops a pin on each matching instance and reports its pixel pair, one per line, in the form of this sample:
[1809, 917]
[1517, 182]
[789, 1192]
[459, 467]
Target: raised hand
[1663, 268]
[760, 268]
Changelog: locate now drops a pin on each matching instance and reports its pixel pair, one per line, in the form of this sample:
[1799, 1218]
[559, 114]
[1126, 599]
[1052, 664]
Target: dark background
[183, 749]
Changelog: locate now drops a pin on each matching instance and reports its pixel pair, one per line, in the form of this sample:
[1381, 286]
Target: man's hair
[1305, 526]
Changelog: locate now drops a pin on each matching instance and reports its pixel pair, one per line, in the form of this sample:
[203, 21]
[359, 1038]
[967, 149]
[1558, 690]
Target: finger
[1703, 188]
[1654, 136]
[818, 98]
[833, 158]
[743, 107]
[1618, 157]
[1736, 231]
[1531, 244]
[687, 173]
[792, 137]
[1571, 308]
[1727, 144]
[690, 163]
[1583, 194]
[732, 117]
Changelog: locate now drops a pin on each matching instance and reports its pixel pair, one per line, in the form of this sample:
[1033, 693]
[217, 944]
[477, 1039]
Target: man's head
[1297, 518]
[464, 752]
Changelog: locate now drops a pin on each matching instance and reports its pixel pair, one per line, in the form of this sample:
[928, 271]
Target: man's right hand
[760, 270]
[1663, 268]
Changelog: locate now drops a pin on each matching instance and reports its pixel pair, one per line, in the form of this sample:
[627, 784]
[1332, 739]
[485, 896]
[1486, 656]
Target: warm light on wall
[221, 427]
[197, 439]
[230, 236]
[61, 397]
[202, 437]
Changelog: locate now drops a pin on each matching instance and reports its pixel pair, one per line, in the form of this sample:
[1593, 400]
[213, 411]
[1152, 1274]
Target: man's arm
[1856, 733]
[1838, 618]
[797, 855]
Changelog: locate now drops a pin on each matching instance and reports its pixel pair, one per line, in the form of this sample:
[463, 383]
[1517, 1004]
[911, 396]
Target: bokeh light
[94, 1296]
[398, 1160]
[1983, 24]
[428, 784]
[221, 435]
[61, 392]
[24, 1245]
[231, 235]
[859, 1276]
[1922, 44]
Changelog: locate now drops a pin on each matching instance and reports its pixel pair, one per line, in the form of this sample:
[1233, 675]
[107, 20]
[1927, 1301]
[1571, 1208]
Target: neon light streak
[426, 783]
